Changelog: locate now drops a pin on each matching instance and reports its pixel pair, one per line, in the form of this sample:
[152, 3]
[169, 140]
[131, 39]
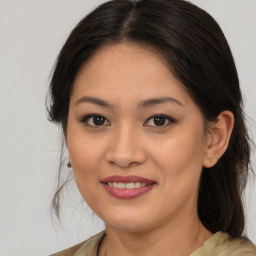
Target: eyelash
[86, 118]
[167, 120]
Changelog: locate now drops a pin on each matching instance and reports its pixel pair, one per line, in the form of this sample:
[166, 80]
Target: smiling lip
[127, 187]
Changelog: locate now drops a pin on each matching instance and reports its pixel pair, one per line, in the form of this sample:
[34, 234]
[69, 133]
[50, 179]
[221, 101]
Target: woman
[148, 97]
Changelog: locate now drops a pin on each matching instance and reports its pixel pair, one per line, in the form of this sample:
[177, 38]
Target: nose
[126, 149]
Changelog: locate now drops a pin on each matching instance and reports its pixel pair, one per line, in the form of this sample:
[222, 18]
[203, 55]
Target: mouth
[127, 187]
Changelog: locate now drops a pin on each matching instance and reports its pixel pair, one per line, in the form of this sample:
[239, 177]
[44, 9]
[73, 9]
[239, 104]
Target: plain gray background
[31, 35]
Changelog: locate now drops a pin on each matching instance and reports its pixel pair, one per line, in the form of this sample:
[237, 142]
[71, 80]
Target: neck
[157, 241]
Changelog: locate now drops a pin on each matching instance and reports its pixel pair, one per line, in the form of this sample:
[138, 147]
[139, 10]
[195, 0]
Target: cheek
[84, 148]
[180, 165]
[180, 157]
[86, 156]
[85, 163]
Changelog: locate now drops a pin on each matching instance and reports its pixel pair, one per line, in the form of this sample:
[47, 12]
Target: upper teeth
[129, 185]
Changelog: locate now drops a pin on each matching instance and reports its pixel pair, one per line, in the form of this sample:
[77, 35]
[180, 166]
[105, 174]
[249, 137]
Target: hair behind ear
[220, 205]
[219, 201]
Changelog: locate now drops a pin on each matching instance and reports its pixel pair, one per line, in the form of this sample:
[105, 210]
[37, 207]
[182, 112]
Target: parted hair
[199, 56]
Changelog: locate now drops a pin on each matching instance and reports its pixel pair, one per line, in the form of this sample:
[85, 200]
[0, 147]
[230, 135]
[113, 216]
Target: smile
[130, 185]
[127, 187]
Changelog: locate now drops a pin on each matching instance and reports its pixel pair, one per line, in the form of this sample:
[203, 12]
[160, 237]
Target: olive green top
[220, 244]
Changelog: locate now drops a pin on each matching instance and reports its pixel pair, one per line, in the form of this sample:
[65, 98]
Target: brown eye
[98, 120]
[95, 120]
[159, 121]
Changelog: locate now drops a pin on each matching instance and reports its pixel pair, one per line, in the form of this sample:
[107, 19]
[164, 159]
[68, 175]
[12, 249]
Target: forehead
[130, 54]
[133, 69]
[128, 48]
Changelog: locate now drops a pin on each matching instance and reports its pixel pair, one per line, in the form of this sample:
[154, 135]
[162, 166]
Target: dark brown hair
[196, 49]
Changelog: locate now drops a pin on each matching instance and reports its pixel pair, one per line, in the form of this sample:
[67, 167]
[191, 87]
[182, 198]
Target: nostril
[133, 164]
[125, 157]
[123, 164]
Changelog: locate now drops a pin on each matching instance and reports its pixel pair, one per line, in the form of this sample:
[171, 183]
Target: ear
[218, 138]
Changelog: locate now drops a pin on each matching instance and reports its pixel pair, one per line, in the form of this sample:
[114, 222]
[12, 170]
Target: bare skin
[129, 115]
[136, 244]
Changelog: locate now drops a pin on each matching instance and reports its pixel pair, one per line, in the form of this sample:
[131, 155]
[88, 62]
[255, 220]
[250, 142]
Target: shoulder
[88, 247]
[234, 247]
[222, 244]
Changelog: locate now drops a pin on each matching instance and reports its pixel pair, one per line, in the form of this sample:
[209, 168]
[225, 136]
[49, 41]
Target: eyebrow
[155, 101]
[144, 103]
[96, 101]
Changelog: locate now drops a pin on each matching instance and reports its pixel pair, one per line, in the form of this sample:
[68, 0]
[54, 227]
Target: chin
[128, 222]
[130, 227]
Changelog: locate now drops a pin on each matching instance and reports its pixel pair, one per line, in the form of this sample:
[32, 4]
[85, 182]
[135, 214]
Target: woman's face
[136, 139]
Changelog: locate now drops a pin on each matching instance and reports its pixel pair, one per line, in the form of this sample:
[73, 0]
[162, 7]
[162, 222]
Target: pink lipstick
[127, 187]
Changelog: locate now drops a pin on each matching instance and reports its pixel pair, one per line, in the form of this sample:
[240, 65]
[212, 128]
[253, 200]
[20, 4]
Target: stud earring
[69, 164]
